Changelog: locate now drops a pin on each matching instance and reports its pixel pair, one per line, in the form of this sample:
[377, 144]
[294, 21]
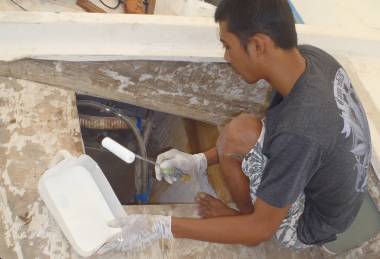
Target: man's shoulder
[318, 58]
[310, 109]
[314, 119]
[310, 49]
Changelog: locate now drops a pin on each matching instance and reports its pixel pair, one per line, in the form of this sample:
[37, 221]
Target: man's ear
[257, 44]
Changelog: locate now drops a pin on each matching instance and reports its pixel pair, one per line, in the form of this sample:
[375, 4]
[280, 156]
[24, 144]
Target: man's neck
[286, 70]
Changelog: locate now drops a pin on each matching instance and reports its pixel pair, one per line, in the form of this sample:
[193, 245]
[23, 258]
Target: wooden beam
[209, 92]
[88, 6]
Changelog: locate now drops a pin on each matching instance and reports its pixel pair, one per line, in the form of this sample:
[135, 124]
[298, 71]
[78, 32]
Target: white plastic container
[81, 200]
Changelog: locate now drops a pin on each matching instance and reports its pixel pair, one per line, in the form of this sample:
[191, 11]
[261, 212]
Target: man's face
[235, 54]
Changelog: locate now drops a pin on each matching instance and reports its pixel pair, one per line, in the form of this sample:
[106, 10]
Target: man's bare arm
[249, 229]
[212, 156]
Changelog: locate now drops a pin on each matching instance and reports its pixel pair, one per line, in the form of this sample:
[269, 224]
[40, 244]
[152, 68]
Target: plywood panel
[203, 136]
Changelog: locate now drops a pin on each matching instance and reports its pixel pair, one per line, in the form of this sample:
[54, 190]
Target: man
[300, 175]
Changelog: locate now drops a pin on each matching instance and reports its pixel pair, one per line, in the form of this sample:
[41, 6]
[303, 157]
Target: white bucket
[81, 200]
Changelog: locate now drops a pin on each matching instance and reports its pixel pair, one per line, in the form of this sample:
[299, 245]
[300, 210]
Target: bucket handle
[61, 155]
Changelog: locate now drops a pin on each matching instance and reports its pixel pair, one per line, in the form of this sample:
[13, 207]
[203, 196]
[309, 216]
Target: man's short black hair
[245, 18]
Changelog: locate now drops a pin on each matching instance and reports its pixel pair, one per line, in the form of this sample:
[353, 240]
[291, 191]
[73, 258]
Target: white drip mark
[194, 100]
[58, 67]
[124, 80]
[145, 77]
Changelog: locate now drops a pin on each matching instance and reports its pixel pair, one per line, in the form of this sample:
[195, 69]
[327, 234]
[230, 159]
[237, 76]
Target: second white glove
[139, 231]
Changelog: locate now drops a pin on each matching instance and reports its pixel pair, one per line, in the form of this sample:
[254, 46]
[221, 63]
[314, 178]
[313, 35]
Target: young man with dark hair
[303, 175]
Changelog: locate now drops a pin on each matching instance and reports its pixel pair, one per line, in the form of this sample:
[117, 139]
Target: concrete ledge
[101, 37]
[104, 37]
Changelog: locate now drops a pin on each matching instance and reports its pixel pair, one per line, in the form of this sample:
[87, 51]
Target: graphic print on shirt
[355, 124]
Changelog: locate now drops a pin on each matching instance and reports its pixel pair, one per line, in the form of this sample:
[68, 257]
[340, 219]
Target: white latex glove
[138, 232]
[173, 159]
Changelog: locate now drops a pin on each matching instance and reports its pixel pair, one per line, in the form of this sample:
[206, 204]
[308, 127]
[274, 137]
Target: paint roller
[129, 157]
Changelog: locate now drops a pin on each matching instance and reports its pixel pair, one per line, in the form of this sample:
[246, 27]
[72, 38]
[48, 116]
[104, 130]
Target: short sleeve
[292, 161]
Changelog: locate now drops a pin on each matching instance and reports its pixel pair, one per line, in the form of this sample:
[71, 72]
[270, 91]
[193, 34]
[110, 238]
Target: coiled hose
[141, 176]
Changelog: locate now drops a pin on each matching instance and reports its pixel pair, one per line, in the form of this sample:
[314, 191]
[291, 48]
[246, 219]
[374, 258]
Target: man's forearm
[228, 230]
[212, 156]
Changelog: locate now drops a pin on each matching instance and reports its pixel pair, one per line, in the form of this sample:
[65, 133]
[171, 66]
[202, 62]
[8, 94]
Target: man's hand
[138, 232]
[174, 159]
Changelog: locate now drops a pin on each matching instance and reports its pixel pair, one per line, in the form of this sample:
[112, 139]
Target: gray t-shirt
[317, 142]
